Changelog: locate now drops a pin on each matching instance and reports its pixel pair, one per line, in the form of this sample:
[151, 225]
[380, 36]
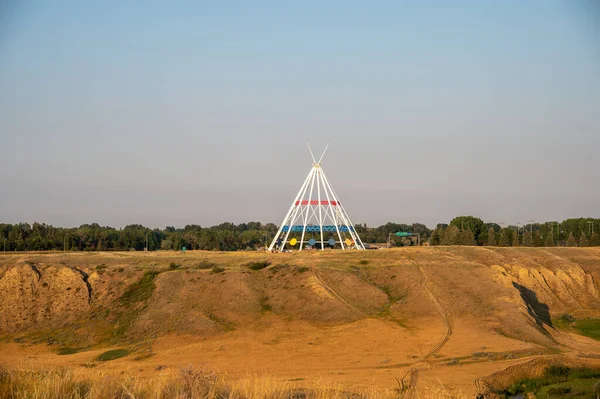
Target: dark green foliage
[435, 238]
[217, 269]
[571, 241]
[112, 355]
[527, 239]
[468, 223]
[491, 240]
[504, 241]
[557, 372]
[174, 266]
[252, 235]
[451, 236]
[537, 239]
[583, 240]
[364, 262]
[101, 267]
[549, 240]
[258, 265]
[466, 237]
[303, 269]
[515, 238]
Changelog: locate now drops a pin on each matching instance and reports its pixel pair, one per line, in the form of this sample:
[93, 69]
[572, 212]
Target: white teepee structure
[316, 216]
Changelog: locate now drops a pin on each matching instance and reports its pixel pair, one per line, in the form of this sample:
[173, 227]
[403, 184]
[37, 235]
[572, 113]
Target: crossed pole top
[315, 163]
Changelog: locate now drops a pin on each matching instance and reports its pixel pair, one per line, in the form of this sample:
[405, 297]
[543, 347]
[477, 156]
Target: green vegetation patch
[204, 265]
[588, 327]
[101, 267]
[558, 381]
[112, 355]
[258, 265]
[68, 350]
[140, 291]
[174, 266]
[364, 262]
[217, 269]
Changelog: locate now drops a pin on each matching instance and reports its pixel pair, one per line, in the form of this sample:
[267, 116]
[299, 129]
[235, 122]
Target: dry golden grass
[185, 383]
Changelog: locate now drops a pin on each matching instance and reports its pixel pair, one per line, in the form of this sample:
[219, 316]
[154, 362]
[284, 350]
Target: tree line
[462, 230]
[469, 230]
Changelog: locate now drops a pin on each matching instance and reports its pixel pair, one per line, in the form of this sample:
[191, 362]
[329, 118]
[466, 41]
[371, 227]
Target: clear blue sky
[173, 113]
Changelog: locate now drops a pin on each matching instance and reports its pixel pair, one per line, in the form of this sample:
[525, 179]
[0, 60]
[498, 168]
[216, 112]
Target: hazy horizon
[200, 114]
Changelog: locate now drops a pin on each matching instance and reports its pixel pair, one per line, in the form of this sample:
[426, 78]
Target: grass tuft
[217, 269]
[258, 265]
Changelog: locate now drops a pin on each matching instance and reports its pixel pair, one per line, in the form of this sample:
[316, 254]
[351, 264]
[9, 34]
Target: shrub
[364, 262]
[174, 266]
[566, 317]
[112, 355]
[204, 265]
[303, 269]
[217, 269]
[258, 265]
[68, 351]
[101, 267]
[558, 372]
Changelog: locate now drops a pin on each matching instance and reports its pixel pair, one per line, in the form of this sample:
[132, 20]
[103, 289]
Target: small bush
[258, 265]
[566, 317]
[264, 304]
[112, 355]
[101, 267]
[557, 372]
[364, 262]
[174, 266]
[303, 269]
[217, 269]
[204, 265]
[68, 351]
[558, 392]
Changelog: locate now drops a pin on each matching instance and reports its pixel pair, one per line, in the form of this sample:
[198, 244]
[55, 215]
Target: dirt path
[413, 373]
[444, 314]
[321, 281]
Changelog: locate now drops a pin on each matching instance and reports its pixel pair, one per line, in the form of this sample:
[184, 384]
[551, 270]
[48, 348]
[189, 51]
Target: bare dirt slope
[408, 319]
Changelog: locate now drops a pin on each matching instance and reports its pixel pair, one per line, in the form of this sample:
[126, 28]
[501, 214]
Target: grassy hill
[429, 321]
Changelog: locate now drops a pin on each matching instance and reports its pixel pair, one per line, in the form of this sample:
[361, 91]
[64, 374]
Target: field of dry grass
[411, 322]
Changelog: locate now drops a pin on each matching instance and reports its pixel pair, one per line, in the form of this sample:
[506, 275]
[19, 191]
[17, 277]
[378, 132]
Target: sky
[195, 112]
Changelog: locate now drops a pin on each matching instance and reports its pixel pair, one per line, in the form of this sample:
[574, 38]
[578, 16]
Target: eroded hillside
[359, 318]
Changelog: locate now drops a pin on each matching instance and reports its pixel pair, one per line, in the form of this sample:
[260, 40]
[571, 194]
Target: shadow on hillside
[539, 311]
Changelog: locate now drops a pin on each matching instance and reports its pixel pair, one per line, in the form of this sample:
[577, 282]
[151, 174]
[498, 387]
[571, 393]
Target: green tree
[491, 241]
[583, 240]
[515, 238]
[571, 241]
[595, 240]
[504, 241]
[467, 237]
[435, 238]
[549, 240]
[468, 222]
[527, 239]
[451, 236]
[537, 239]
